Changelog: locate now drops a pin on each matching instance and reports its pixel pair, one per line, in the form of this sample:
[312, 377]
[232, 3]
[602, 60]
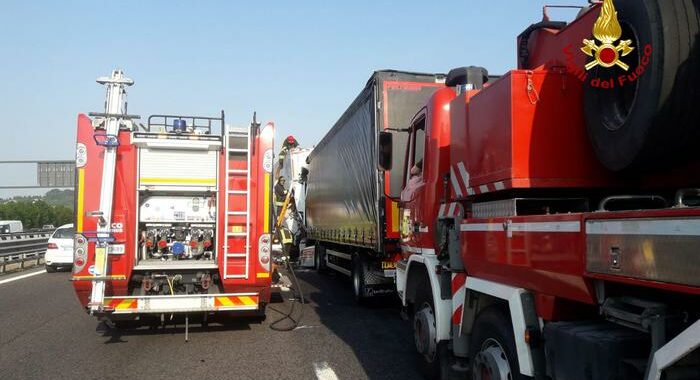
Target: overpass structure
[51, 174]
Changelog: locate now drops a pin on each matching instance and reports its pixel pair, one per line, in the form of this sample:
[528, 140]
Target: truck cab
[427, 154]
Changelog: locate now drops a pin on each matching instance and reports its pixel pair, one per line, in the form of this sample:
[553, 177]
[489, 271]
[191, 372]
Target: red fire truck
[551, 224]
[173, 216]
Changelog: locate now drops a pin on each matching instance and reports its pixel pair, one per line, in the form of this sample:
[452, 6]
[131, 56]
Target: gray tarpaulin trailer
[351, 222]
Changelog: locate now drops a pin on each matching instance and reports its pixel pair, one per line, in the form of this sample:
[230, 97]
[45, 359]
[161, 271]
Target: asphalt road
[45, 334]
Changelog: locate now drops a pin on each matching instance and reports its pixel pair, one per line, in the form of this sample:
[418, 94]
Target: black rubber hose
[297, 294]
[524, 37]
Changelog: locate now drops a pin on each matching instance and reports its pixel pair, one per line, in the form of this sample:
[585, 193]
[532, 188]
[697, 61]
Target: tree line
[36, 213]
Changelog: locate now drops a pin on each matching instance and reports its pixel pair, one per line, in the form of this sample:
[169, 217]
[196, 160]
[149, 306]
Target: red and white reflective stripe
[455, 183]
[461, 186]
[458, 295]
[450, 210]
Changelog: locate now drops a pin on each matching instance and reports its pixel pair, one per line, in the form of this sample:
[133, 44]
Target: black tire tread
[662, 127]
[494, 322]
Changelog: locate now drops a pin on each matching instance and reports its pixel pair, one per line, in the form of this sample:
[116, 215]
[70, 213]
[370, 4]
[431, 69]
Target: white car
[59, 252]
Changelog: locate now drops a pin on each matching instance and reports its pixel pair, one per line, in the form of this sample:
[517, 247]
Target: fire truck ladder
[114, 116]
[237, 202]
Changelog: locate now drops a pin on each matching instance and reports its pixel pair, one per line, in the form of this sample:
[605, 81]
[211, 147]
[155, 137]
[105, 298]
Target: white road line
[324, 371]
[22, 276]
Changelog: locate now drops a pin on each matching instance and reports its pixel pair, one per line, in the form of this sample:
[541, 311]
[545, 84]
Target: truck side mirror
[385, 150]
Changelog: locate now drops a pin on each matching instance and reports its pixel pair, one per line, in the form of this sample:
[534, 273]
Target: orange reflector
[263, 275]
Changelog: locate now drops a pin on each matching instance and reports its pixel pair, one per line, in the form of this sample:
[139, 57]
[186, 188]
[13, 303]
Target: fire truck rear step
[175, 264]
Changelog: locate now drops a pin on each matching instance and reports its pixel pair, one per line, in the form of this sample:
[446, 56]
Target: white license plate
[390, 273]
[117, 249]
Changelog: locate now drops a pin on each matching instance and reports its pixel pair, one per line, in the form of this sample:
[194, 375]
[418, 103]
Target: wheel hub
[424, 332]
[491, 363]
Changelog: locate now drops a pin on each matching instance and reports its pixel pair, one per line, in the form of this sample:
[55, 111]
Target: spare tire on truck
[653, 120]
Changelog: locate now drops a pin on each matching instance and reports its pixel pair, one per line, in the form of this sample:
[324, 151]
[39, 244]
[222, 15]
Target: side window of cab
[416, 152]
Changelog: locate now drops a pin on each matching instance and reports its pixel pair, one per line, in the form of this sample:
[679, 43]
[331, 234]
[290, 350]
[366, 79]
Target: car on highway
[59, 252]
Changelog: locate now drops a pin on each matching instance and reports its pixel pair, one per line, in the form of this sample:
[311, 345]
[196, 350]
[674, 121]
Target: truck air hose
[297, 293]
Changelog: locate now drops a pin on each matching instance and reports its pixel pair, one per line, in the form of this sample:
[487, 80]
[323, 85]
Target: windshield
[64, 233]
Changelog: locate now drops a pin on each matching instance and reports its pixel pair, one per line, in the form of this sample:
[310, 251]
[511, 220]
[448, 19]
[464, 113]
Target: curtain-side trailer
[352, 224]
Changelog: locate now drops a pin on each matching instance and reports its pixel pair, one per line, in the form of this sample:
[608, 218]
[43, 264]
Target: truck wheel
[652, 120]
[434, 355]
[492, 347]
[50, 269]
[359, 287]
[320, 259]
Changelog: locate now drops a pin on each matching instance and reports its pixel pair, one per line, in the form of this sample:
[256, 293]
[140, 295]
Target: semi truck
[553, 229]
[351, 224]
[173, 216]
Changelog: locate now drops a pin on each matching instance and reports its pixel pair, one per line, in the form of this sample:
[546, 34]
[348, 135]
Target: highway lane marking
[324, 371]
[21, 277]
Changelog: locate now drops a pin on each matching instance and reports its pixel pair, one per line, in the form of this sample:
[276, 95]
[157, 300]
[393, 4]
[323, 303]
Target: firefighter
[289, 143]
[280, 194]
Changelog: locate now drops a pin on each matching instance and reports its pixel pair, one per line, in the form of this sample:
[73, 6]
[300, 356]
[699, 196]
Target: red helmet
[291, 139]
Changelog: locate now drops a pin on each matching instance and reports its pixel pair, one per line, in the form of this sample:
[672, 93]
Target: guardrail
[23, 247]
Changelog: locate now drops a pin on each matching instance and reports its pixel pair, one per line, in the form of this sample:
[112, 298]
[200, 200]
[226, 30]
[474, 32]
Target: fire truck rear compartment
[177, 228]
[177, 202]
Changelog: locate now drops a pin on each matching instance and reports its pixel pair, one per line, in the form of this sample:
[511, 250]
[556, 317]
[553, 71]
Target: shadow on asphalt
[176, 326]
[117, 334]
[381, 340]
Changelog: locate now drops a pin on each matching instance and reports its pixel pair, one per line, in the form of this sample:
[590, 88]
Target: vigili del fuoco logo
[608, 50]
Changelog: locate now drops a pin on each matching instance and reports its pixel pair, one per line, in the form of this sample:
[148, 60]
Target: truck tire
[320, 259]
[434, 362]
[492, 347]
[651, 121]
[359, 285]
[50, 269]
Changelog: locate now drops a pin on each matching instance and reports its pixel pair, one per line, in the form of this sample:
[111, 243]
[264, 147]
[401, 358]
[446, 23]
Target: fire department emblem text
[607, 30]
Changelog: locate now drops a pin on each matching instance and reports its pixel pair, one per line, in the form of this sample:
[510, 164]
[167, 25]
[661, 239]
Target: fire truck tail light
[80, 155]
[80, 249]
[264, 251]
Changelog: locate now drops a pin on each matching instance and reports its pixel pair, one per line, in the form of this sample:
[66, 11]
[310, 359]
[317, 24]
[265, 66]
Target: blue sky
[298, 63]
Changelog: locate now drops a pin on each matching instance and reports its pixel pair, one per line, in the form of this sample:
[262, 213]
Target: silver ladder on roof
[237, 243]
[114, 116]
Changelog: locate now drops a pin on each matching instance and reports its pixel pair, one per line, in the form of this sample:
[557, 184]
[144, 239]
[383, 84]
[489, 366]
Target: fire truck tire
[359, 285]
[652, 120]
[492, 347]
[434, 362]
[320, 259]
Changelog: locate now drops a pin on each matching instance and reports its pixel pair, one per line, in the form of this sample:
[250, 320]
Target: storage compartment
[177, 227]
[524, 130]
[594, 350]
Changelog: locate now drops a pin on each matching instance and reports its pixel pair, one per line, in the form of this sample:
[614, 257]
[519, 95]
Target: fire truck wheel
[649, 117]
[359, 287]
[50, 269]
[492, 347]
[434, 356]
